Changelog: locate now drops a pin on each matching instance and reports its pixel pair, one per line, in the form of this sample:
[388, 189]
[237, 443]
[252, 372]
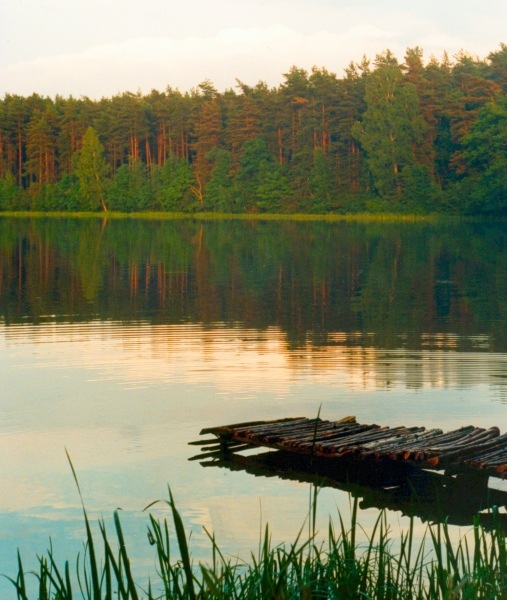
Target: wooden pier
[473, 450]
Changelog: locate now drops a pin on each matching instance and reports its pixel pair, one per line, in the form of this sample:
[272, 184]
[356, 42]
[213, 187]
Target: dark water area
[121, 339]
[386, 285]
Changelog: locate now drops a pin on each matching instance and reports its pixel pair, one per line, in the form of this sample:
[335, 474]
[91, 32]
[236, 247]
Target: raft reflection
[430, 496]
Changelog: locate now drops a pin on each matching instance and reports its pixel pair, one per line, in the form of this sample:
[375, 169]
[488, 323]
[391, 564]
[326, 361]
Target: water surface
[120, 340]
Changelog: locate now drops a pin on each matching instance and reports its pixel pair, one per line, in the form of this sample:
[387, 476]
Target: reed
[340, 568]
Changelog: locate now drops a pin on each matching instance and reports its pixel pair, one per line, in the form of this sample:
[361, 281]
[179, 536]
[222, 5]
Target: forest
[411, 137]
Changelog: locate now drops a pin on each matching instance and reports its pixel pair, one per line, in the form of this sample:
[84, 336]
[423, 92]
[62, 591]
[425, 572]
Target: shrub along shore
[342, 568]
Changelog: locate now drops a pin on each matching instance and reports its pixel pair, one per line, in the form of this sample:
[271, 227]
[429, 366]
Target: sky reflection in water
[125, 396]
[125, 401]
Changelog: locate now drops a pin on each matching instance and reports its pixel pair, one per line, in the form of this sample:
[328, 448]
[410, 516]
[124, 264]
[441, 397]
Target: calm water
[119, 341]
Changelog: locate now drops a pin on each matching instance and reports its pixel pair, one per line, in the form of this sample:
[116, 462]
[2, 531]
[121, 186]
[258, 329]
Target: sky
[99, 48]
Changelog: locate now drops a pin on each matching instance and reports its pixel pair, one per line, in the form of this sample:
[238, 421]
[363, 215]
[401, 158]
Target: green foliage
[60, 196]
[498, 66]
[172, 184]
[486, 154]
[324, 143]
[261, 182]
[9, 193]
[390, 126]
[219, 191]
[130, 189]
[273, 189]
[342, 568]
[420, 194]
[92, 170]
[321, 182]
[65, 193]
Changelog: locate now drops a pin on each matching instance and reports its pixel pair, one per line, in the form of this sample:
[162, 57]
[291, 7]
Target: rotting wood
[203, 442]
[475, 448]
[247, 424]
[469, 451]
[220, 452]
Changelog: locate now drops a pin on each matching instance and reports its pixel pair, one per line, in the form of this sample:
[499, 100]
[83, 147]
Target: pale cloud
[146, 63]
[102, 48]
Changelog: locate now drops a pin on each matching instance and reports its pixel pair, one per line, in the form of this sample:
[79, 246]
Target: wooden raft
[470, 448]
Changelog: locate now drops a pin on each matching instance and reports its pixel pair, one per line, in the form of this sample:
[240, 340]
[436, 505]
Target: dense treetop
[414, 136]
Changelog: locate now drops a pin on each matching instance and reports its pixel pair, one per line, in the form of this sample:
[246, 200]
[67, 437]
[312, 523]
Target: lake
[120, 340]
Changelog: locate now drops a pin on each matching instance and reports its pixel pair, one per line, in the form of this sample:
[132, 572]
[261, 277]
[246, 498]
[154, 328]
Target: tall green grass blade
[451, 557]
[124, 558]
[67, 579]
[440, 571]
[344, 569]
[160, 539]
[499, 539]
[19, 582]
[317, 420]
[62, 587]
[183, 546]
[89, 536]
[113, 564]
[43, 591]
[106, 577]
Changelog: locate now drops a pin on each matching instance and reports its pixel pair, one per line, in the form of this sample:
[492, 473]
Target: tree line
[400, 136]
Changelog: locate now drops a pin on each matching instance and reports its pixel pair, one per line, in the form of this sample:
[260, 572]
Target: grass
[210, 216]
[341, 568]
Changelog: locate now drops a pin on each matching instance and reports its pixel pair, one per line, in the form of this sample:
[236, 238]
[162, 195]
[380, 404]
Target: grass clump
[342, 568]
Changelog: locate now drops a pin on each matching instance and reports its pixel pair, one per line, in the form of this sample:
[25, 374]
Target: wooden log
[369, 434]
[309, 434]
[497, 457]
[420, 439]
[399, 437]
[413, 440]
[298, 432]
[498, 449]
[345, 420]
[204, 442]
[495, 463]
[221, 444]
[246, 424]
[275, 429]
[367, 437]
[347, 434]
[477, 437]
[391, 446]
[481, 449]
[452, 437]
[493, 460]
[273, 425]
[220, 452]
[468, 451]
[433, 446]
